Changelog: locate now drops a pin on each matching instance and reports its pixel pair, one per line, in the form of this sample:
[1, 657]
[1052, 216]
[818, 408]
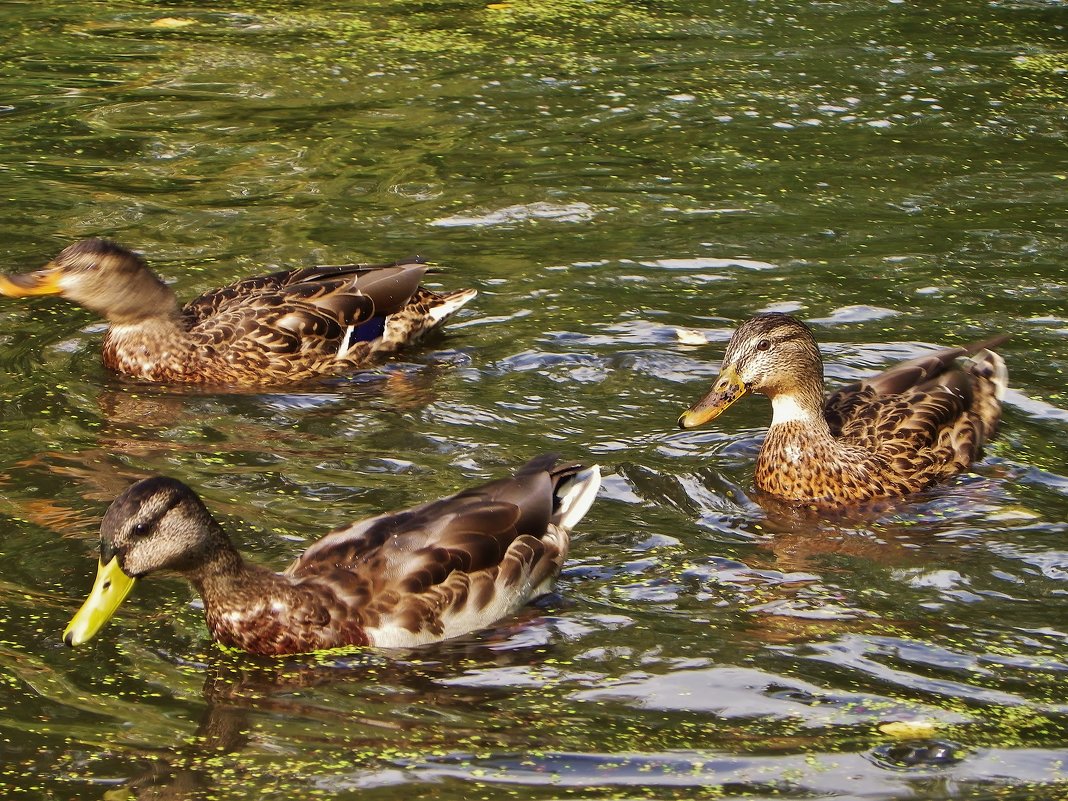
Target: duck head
[772, 354]
[156, 524]
[101, 275]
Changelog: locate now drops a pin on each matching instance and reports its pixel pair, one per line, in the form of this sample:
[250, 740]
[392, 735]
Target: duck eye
[764, 344]
[140, 529]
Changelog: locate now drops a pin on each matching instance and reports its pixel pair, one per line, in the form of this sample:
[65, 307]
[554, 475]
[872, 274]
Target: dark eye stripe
[174, 501]
[788, 337]
[141, 529]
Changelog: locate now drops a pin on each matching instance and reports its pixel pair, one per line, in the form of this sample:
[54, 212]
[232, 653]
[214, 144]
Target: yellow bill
[727, 389]
[39, 282]
[109, 591]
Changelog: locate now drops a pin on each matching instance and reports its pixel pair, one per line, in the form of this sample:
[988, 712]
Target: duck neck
[161, 326]
[144, 319]
[250, 607]
[800, 410]
[223, 565]
[143, 298]
[225, 575]
[799, 444]
[227, 581]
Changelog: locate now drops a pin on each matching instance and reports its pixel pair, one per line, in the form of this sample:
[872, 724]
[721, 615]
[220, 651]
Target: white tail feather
[451, 305]
[998, 372]
[576, 495]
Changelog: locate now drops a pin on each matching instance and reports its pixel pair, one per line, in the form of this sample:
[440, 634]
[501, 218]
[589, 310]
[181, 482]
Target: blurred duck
[918, 423]
[401, 579]
[280, 328]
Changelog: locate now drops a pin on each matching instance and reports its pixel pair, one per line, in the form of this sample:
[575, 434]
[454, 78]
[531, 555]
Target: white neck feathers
[786, 409]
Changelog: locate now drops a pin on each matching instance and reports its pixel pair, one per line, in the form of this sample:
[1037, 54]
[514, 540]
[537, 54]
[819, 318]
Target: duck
[918, 423]
[286, 327]
[397, 580]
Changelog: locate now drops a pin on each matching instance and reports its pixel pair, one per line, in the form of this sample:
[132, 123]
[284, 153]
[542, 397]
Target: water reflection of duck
[401, 579]
[284, 327]
[917, 423]
[311, 706]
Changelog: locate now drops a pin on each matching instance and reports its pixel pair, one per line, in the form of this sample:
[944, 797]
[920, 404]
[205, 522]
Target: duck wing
[477, 525]
[854, 400]
[455, 564]
[929, 413]
[312, 312]
[248, 290]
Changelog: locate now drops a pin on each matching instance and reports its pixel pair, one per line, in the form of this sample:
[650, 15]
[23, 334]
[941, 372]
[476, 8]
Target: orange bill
[39, 282]
[727, 389]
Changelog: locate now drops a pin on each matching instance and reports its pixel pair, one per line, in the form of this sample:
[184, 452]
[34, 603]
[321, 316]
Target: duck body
[916, 424]
[285, 327]
[424, 574]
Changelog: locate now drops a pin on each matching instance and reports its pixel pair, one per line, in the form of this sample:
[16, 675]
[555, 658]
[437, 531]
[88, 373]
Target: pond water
[602, 172]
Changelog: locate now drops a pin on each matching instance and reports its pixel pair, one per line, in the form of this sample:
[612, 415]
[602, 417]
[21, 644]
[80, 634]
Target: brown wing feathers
[926, 414]
[304, 315]
[319, 303]
[392, 287]
[215, 300]
[419, 548]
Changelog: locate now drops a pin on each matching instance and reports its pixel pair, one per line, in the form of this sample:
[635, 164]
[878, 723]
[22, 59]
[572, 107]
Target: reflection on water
[607, 174]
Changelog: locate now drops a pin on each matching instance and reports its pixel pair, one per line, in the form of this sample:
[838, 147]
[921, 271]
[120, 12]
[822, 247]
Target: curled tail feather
[991, 366]
[427, 312]
[574, 494]
[988, 368]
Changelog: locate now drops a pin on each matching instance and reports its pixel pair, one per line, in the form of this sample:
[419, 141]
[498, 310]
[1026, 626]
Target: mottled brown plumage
[274, 329]
[428, 573]
[918, 423]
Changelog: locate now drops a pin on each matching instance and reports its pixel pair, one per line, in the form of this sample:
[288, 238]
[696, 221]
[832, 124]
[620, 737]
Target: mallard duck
[402, 579]
[285, 327]
[918, 423]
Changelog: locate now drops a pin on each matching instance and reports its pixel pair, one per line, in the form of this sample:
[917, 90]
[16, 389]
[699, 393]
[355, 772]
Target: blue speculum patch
[365, 332]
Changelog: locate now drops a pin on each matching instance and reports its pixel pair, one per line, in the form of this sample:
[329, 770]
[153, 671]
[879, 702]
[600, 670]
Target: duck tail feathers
[991, 366]
[574, 494]
[448, 304]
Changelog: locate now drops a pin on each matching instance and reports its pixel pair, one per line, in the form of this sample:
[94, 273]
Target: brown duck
[420, 575]
[915, 424]
[285, 327]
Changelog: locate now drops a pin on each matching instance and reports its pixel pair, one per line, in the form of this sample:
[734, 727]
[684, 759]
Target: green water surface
[603, 172]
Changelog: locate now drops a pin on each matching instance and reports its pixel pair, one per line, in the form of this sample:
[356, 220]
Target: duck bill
[109, 591]
[727, 389]
[23, 285]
